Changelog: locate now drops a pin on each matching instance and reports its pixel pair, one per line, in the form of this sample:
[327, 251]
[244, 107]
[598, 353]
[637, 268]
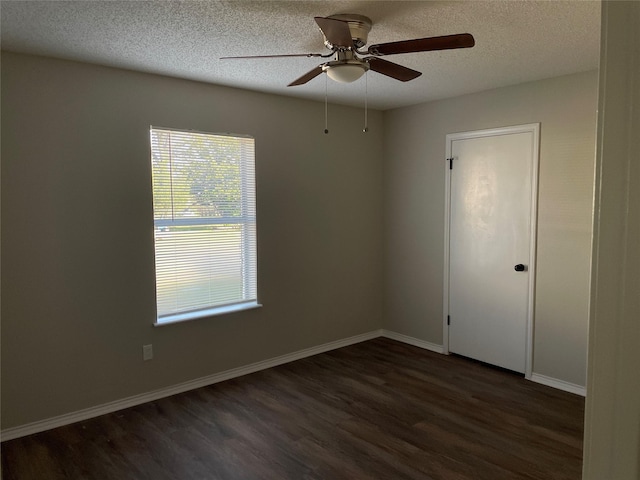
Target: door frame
[533, 128]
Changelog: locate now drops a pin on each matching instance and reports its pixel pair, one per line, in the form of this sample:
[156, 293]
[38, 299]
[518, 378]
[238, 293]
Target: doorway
[490, 234]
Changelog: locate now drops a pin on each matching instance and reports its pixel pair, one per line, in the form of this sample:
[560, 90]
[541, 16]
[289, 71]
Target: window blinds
[205, 221]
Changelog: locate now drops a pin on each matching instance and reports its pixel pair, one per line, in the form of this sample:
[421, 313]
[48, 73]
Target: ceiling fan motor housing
[359, 26]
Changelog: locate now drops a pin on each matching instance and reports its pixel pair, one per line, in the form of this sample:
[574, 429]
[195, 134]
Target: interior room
[350, 223]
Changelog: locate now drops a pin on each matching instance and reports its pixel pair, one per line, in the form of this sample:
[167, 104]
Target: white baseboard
[559, 384]
[416, 342]
[87, 413]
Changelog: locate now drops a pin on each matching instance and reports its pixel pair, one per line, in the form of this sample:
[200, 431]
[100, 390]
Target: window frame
[243, 221]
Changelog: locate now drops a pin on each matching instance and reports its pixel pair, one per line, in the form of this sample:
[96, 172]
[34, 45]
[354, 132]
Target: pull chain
[326, 107]
[366, 95]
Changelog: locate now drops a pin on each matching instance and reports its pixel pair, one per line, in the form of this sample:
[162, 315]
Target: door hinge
[448, 320]
[450, 160]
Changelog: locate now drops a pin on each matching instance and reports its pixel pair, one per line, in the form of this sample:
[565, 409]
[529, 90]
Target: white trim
[200, 132]
[110, 407]
[208, 312]
[533, 224]
[559, 384]
[87, 413]
[416, 342]
[533, 128]
[447, 259]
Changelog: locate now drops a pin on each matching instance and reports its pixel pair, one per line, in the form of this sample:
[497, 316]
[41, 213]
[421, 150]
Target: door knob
[520, 267]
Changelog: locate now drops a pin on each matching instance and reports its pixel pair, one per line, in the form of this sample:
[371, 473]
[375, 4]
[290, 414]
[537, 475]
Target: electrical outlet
[147, 352]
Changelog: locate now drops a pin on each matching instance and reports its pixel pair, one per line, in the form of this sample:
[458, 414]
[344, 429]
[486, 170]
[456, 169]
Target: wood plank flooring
[375, 410]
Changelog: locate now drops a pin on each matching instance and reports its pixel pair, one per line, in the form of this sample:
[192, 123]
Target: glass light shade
[346, 73]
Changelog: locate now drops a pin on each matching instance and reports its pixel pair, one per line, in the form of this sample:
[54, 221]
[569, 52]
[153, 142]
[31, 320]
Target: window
[204, 210]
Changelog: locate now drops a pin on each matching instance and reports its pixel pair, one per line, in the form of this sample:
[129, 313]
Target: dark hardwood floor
[375, 410]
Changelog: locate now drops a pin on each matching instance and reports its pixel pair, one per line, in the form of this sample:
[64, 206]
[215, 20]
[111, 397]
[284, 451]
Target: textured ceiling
[516, 41]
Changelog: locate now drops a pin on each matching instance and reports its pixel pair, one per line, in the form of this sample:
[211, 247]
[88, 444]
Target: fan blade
[391, 69]
[307, 76]
[275, 56]
[335, 31]
[461, 40]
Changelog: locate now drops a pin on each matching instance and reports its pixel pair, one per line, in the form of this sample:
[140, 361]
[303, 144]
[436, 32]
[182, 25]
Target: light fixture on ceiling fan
[345, 70]
[346, 34]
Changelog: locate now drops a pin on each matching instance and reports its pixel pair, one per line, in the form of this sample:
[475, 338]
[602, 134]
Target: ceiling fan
[346, 34]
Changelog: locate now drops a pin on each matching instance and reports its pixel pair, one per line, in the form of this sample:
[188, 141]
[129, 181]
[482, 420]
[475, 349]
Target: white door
[491, 220]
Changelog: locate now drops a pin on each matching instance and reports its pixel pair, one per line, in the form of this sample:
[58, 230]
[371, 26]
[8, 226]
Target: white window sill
[210, 312]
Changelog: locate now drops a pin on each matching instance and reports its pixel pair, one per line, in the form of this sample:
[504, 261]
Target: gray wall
[414, 172]
[77, 230]
[77, 233]
[612, 416]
